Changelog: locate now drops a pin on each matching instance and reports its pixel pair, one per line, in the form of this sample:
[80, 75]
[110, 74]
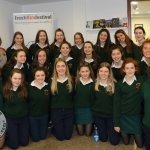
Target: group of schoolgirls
[76, 85]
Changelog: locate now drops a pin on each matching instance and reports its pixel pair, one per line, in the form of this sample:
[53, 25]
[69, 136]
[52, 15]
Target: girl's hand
[117, 129]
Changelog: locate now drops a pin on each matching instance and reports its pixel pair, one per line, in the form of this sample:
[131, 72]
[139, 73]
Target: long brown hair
[130, 44]
[84, 64]
[7, 89]
[12, 62]
[58, 30]
[38, 34]
[22, 44]
[94, 55]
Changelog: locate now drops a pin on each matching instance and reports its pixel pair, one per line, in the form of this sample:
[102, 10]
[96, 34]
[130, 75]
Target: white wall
[68, 15]
[6, 21]
[145, 21]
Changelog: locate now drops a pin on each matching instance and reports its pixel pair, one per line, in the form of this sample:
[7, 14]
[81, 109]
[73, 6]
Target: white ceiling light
[148, 12]
[136, 12]
[134, 2]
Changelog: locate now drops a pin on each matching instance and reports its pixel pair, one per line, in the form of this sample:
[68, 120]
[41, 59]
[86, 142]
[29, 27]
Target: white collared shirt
[123, 45]
[33, 84]
[143, 59]
[78, 47]
[56, 44]
[90, 80]
[16, 66]
[68, 58]
[86, 60]
[114, 66]
[134, 78]
[63, 80]
[14, 47]
[102, 84]
[40, 46]
[14, 89]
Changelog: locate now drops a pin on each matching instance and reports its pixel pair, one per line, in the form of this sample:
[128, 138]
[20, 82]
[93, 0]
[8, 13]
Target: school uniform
[116, 71]
[49, 72]
[16, 113]
[103, 114]
[39, 105]
[70, 63]
[62, 111]
[1, 98]
[11, 50]
[127, 105]
[144, 66]
[55, 50]
[83, 103]
[146, 119]
[35, 47]
[93, 66]
[102, 53]
[135, 53]
[6, 72]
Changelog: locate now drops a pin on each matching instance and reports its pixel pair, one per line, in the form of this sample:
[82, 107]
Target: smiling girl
[117, 57]
[17, 60]
[129, 48]
[61, 104]
[104, 89]
[127, 103]
[39, 101]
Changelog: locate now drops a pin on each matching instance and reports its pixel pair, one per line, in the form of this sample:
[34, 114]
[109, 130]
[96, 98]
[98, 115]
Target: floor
[76, 143]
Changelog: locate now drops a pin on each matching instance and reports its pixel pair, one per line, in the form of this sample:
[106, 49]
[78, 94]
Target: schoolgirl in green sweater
[103, 45]
[18, 60]
[65, 52]
[62, 101]
[83, 99]
[17, 43]
[39, 105]
[104, 88]
[58, 39]
[77, 48]
[89, 55]
[127, 103]
[128, 46]
[145, 61]
[41, 42]
[41, 60]
[16, 110]
[117, 57]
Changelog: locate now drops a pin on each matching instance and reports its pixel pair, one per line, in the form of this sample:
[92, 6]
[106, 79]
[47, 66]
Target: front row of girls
[114, 107]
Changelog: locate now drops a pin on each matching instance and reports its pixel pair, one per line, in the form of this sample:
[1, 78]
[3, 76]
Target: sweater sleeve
[116, 106]
[137, 54]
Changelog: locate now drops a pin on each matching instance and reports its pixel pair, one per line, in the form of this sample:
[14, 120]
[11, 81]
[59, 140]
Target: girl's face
[116, 55]
[61, 68]
[18, 39]
[88, 49]
[16, 80]
[21, 57]
[78, 40]
[84, 72]
[103, 73]
[59, 36]
[41, 58]
[103, 37]
[120, 37]
[129, 70]
[42, 37]
[139, 35]
[40, 76]
[65, 50]
[146, 50]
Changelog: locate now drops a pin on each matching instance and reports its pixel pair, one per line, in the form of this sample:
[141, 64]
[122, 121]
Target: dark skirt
[130, 124]
[83, 116]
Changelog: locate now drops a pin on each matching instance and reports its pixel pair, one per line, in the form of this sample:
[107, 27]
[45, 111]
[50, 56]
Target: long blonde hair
[110, 81]
[54, 87]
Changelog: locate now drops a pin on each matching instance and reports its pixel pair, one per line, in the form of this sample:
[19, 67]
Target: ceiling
[144, 8]
[30, 2]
